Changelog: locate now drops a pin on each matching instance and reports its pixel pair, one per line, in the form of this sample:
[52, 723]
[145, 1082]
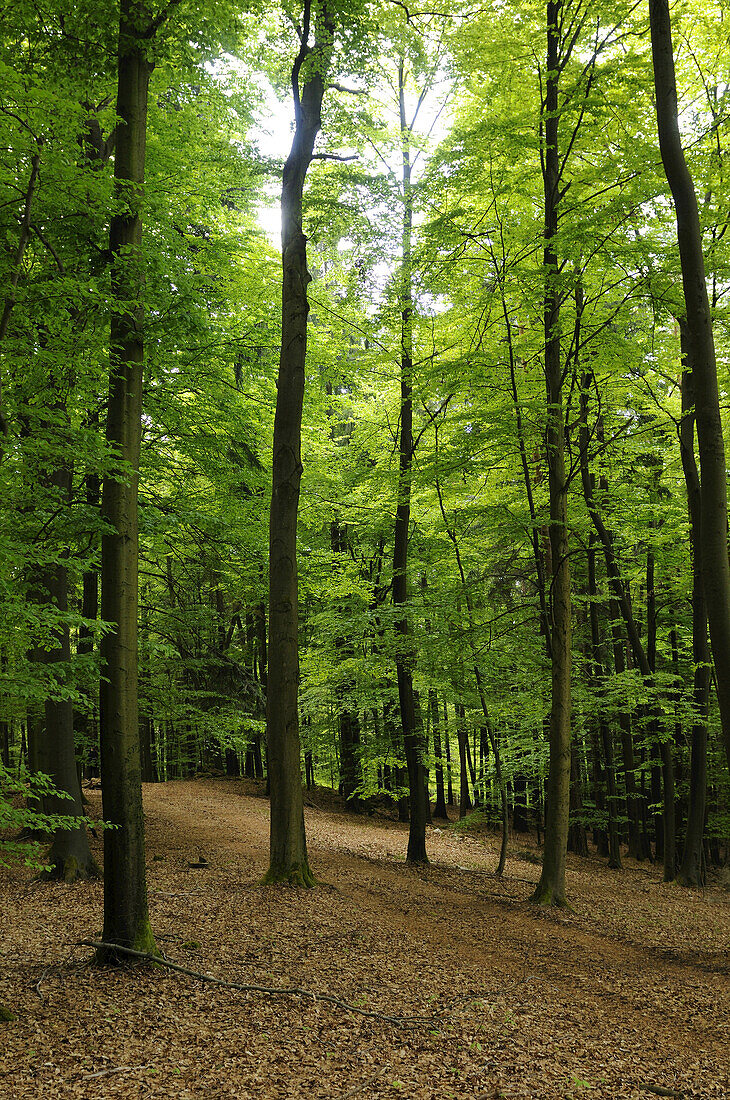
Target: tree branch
[397, 1021]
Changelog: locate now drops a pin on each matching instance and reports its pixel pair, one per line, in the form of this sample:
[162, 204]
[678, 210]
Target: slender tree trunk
[577, 837]
[654, 733]
[126, 915]
[449, 776]
[464, 799]
[636, 838]
[701, 356]
[347, 718]
[690, 871]
[288, 846]
[439, 809]
[85, 722]
[599, 667]
[405, 655]
[70, 857]
[550, 889]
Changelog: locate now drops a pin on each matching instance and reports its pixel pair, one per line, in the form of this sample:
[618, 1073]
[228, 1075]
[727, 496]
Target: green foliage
[20, 793]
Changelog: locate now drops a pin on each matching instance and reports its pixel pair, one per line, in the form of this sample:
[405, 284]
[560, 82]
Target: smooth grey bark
[449, 776]
[348, 719]
[288, 846]
[691, 868]
[69, 857]
[599, 674]
[439, 809]
[701, 354]
[405, 652]
[550, 889]
[126, 913]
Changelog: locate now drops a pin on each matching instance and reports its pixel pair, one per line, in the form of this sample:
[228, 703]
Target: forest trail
[629, 989]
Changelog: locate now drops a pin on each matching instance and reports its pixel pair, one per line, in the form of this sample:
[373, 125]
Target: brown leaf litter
[626, 995]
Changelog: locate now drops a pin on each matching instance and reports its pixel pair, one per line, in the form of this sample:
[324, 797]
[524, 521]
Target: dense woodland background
[486, 210]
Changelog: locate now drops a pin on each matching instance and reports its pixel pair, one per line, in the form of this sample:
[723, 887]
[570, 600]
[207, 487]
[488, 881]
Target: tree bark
[690, 871]
[461, 733]
[70, 857]
[348, 719]
[701, 355]
[577, 836]
[550, 889]
[126, 915]
[288, 846]
[599, 672]
[405, 654]
[439, 809]
[449, 776]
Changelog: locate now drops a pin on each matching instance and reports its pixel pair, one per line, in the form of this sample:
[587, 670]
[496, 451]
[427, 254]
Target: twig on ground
[364, 1084]
[397, 1021]
[40, 982]
[114, 1069]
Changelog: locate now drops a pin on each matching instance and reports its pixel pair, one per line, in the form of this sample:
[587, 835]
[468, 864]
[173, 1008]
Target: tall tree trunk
[126, 915]
[348, 719]
[577, 837]
[288, 845]
[662, 776]
[599, 667]
[449, 776]
[690, 871]
[405, 655]
[439, 809]
[550, 889]
[85, 721]
[463, 737]
[701, 356]
[70, 857]
[636, 839]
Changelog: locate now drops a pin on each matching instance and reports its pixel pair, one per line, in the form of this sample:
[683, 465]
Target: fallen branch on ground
[114, 1069]
[39, 983]
[364, 1084]
[398, 1021]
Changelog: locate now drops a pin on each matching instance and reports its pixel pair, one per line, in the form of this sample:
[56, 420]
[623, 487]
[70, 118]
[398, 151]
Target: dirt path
[630, 989]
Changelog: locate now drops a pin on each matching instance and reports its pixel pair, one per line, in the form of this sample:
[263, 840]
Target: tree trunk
[449, 776]
[577, 837]
[85, 722]
[347, 718]
[439, 809]
[550, 889]
[701, 357]
[690, 871]
[636, 838]
[70, 857]
[464, 799]
[599, 668]
[126, 915]
[405, 655]
[288, 846]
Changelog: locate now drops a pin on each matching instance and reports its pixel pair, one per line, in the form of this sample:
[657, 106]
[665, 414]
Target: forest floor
[627, 994]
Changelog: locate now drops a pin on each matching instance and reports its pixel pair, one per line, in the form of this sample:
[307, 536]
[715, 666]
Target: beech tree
[289, 862]
[495, 327]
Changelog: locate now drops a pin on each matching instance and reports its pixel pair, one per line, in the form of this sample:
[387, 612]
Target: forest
[364, 565]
